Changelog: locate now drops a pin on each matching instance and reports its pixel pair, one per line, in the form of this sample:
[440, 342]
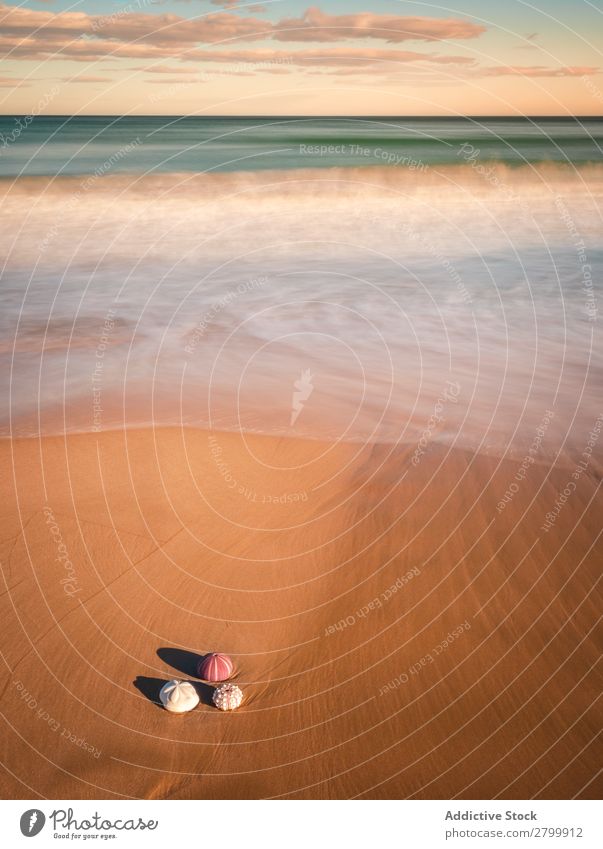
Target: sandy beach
[396, 633]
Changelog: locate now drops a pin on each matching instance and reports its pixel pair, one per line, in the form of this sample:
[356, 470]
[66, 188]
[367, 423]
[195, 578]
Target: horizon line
[378, 117]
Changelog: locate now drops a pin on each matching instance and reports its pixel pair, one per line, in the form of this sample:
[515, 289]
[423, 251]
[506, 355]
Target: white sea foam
[200, 299]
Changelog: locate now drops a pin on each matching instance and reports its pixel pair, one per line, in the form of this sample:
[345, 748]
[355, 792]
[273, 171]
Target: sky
[280, 57]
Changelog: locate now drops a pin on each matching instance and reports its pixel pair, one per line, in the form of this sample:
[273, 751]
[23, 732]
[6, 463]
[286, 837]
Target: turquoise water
[55, 145]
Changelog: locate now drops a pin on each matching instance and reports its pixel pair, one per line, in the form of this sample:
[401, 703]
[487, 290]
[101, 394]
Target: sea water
[345, 278]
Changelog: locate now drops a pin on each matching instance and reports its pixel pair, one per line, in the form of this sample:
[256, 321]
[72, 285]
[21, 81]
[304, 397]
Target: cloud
[315, 25]
[27, 33]
[342, 60]
[40, 34]
[10, 82]
[230, 4]
[176, 83]
[31, 33]
[372, 57]
[166, 69]
[87, 79]
[538, 71]
[364, 57]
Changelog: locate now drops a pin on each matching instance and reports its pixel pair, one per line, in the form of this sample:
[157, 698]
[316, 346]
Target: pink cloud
[167, 69]
[10, 82]
[364, 57]
[230, 4]
[46, 33]
[40, 34]
[315, 25]
[37, 34]
[369, 57]
[88, 79]
[538, 71]
[174, 82]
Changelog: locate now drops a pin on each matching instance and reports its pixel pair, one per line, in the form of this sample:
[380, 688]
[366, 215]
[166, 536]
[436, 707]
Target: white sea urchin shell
[179, 696]
[227, 696]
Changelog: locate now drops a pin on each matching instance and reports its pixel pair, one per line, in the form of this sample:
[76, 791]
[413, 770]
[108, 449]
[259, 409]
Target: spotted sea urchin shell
[227, 696]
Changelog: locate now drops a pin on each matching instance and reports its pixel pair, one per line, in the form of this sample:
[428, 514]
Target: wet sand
[395, 634]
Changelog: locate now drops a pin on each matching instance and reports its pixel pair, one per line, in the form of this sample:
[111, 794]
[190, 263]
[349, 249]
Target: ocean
[360, 279]
[63, 145]
[55, 146]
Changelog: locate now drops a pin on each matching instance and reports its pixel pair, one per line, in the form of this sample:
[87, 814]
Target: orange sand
[395, 636]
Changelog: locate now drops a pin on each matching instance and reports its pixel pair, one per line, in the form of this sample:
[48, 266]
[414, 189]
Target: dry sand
[126, 555]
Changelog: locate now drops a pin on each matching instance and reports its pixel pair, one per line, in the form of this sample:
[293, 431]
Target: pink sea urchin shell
[227, 697]
[215, 667]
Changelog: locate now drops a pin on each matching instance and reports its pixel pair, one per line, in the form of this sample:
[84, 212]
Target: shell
[227, 697]
[179, 696]
[215, 667]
